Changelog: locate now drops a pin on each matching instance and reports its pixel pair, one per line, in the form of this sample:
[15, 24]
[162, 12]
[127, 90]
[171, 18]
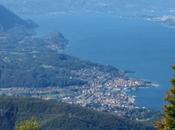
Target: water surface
[131, 44]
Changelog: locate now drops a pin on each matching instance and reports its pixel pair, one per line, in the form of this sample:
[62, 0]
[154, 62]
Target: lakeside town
[112, 96]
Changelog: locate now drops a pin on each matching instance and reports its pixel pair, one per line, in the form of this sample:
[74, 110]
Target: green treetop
[28, 125]
[168, 120]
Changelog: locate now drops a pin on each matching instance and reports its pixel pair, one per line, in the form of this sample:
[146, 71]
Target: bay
[145, 47]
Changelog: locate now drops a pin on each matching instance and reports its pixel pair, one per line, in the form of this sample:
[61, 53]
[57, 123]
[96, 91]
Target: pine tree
[168, 120]
[28, 125]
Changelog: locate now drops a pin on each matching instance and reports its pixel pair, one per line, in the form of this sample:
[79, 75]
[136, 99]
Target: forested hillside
[53, 116]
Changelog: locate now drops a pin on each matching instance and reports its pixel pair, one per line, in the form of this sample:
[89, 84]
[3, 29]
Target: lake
[145, 47]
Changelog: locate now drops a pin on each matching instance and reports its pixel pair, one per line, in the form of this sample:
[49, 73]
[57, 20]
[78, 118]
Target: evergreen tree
[28, 125]
[168, 120]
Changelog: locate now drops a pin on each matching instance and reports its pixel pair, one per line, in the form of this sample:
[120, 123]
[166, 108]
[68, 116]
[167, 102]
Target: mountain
[29, 61]
[117, 6]
[54, 115]
[10, 20]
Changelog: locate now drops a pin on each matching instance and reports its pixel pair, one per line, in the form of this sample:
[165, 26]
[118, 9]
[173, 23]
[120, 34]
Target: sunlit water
[131, 44]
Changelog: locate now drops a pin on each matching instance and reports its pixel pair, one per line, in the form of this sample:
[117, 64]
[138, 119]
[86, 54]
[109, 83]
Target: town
[110, 97]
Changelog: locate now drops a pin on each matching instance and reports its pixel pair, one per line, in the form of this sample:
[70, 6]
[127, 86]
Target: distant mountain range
[117, 6]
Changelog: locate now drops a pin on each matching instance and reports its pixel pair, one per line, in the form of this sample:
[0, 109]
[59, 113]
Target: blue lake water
[131, 44]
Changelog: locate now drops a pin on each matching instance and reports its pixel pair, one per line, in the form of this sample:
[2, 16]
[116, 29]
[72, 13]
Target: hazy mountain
[134, 6]
[9, 20]
[30, 61]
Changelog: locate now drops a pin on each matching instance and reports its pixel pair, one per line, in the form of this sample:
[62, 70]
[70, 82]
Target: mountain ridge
[90, 6]
[10, 20]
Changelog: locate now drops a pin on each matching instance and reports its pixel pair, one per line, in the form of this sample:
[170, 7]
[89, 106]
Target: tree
[28, 125]
[168, 120]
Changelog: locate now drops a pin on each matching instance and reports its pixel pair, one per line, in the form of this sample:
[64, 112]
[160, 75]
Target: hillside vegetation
[54, 116]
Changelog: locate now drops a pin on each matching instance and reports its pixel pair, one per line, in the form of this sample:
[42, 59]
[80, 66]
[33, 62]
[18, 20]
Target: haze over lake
[126, 43]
